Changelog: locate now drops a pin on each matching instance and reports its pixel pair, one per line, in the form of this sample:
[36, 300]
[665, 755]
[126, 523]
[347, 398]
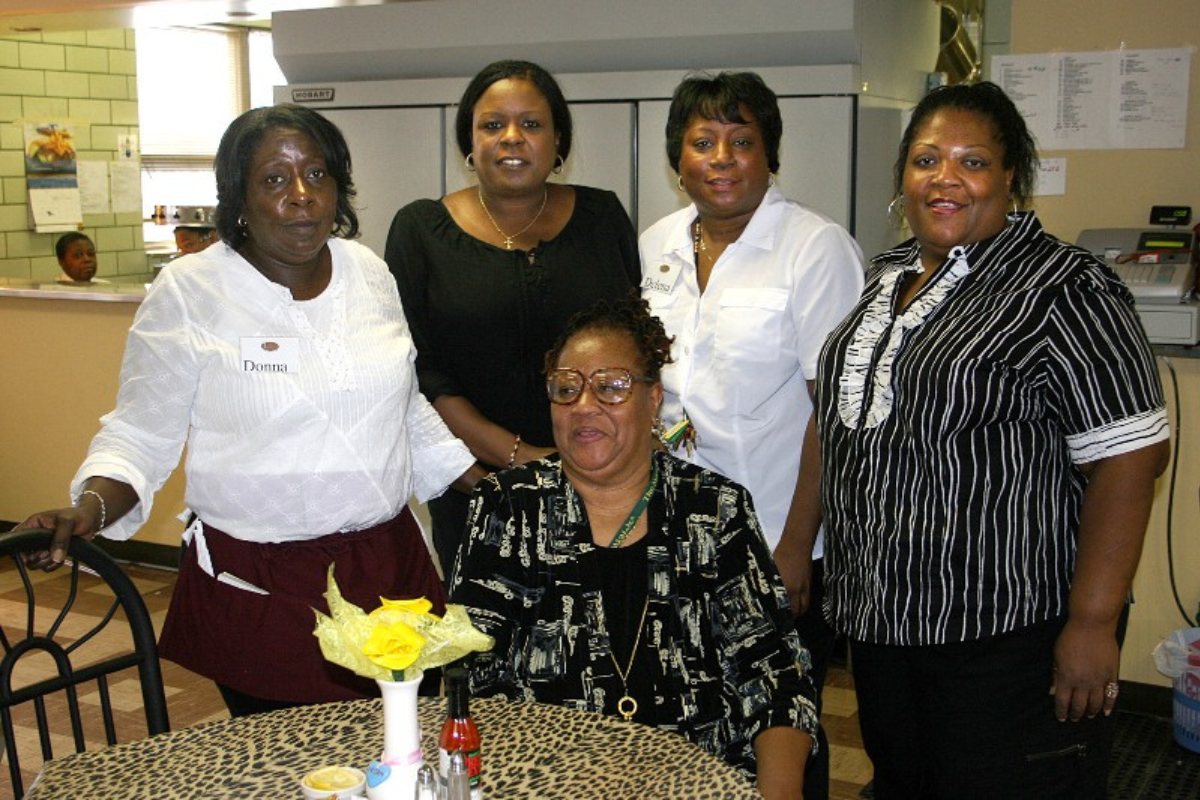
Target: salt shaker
[426, 785]
[458, 786]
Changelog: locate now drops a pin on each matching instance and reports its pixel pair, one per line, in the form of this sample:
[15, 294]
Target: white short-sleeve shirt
[745, 347]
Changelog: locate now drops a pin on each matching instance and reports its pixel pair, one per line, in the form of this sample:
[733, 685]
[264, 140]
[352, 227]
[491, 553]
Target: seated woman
[619, 579]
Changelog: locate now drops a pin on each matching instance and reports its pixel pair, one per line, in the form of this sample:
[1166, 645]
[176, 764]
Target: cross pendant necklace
[508, 240]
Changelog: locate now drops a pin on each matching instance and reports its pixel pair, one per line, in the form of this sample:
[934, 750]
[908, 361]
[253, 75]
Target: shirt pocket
[751, 324]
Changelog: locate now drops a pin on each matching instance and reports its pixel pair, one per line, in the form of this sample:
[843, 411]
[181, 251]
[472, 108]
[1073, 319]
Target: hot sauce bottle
[459, 733]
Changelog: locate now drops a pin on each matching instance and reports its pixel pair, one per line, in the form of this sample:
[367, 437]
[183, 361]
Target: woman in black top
[489, 275]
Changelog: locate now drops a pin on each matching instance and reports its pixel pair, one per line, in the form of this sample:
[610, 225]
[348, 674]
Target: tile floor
[190, 698]
[1148, 763]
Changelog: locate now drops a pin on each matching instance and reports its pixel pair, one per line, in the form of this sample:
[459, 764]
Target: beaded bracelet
[103, 507]
[512, 457]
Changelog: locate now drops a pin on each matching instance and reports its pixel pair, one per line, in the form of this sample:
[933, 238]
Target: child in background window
[77, 257]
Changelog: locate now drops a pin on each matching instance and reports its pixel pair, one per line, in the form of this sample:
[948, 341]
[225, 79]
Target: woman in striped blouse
[991, 424]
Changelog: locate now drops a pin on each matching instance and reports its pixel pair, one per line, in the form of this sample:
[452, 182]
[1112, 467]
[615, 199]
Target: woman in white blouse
[282, 358]
[749, 282]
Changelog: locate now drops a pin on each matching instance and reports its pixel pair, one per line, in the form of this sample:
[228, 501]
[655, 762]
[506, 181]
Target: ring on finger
[1111, 689]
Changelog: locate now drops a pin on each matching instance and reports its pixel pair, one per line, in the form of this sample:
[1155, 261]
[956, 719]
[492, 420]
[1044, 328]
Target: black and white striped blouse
[951, 435]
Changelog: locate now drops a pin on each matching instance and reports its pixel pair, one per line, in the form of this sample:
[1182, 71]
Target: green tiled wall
[86, 79]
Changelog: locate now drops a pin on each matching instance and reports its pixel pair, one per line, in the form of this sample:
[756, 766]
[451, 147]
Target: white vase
[394, 775]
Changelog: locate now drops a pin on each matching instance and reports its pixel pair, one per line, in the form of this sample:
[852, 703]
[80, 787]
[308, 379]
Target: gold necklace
[699, 246]
[508, 240]
[627, 706]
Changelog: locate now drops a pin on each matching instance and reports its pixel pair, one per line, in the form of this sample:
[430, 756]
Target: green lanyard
[638, 507]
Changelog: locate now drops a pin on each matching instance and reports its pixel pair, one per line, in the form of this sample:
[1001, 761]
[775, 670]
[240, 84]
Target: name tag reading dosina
[271, 354]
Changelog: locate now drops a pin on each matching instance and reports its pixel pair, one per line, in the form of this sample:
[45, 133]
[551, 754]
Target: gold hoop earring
[470, 162]
[679, 183]
[771, 179]
[559, 163]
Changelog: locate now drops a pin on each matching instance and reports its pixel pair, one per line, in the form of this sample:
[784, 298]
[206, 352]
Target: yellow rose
[418, 605]
[394, 646]
[400, 635]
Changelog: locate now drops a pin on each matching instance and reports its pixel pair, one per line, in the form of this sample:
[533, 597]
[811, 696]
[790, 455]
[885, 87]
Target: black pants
[448, 513]
[243, 705]
[818, 637]
[975, 719]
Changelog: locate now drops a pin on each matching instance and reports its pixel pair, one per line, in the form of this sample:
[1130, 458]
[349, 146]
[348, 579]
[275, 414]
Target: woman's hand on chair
[79, 520]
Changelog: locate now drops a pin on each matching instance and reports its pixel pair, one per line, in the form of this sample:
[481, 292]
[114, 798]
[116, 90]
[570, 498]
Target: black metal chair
[54, 657]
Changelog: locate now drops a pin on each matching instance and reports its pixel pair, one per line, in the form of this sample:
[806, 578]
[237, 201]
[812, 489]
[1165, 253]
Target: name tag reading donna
[660, 278]
[271, 354]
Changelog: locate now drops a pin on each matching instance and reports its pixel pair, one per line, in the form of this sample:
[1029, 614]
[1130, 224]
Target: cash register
[1159, 267]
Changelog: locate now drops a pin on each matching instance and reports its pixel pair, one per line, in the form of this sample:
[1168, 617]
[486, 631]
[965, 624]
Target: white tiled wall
[90, 80]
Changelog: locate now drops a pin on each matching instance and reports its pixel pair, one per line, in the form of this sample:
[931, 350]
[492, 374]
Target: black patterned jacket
[727, 662]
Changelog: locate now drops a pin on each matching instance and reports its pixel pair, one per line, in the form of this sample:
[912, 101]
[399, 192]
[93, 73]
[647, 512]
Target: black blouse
[625, 573]
[483, 317]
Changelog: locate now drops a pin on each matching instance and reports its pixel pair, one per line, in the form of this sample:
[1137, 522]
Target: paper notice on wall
[1084, 101]
[125, 178]
[93, 187]
[51, 175]
[1051, 177]
[1026, 81]
[1152, 98]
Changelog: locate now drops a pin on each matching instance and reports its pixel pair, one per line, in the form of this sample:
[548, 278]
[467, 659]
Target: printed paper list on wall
[1136, 99]
[50, 173]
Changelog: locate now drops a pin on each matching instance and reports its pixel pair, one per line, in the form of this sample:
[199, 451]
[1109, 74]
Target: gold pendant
[508, 243]
[627, 707]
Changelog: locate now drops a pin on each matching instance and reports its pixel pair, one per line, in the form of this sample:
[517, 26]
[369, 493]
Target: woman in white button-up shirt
[282, 358]
[749, 283]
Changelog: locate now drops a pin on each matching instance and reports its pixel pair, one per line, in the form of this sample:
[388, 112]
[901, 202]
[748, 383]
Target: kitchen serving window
[192, 82]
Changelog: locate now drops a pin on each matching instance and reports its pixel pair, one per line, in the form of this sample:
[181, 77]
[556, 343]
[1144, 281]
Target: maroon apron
[263, 645]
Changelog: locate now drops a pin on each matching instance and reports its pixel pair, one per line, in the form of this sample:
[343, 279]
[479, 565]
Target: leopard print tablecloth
[529, 751]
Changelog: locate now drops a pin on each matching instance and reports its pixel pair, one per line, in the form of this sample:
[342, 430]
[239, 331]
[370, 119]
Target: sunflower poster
[51, 175]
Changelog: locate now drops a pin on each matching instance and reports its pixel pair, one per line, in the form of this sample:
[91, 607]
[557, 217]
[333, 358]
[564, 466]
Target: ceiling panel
[18, 16]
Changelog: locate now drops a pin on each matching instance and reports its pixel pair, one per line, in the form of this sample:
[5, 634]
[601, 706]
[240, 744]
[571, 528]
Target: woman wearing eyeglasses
[619, 579]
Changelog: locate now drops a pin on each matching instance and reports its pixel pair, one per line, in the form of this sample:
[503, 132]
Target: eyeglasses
[610, 385]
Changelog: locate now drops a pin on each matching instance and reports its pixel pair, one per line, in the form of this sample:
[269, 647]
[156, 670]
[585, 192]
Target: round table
[529, 750]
